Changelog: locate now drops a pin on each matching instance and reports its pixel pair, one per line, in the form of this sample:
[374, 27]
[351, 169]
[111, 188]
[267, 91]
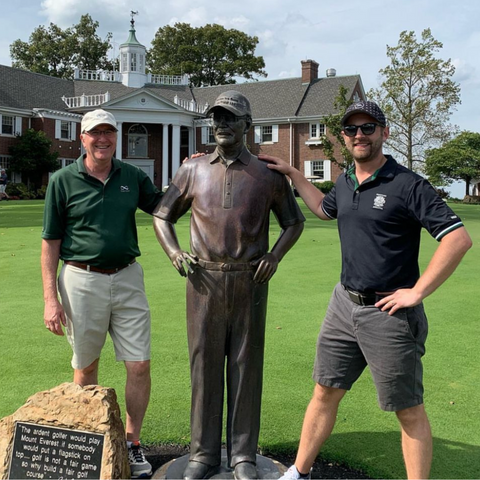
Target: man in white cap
[89, 223]
[231, 195]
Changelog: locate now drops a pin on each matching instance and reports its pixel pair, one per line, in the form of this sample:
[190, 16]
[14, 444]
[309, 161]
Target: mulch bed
[159, 455]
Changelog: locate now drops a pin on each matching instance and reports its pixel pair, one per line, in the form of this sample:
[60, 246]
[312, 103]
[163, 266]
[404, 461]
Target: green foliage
[334, 128]
[32, 158]
[325, 186]
[21, 191]
[211, 55]
[418, 96]
[458, 159]
[56, 52]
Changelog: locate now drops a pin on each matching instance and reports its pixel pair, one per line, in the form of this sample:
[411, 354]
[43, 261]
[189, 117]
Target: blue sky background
[350, 36]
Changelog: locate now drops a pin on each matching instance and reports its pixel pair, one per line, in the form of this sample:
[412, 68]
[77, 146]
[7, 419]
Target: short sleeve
[431, 211]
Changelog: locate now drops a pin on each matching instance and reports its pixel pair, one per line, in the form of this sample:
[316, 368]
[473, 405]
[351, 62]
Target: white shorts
[96, 303]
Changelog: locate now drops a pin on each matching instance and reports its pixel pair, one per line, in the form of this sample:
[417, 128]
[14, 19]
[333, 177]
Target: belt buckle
[356, 297]
[225, 267]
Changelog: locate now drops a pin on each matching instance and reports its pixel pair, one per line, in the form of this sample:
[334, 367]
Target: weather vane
[132, 14]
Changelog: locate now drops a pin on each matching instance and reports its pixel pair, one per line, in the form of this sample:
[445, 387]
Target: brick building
[160, 118]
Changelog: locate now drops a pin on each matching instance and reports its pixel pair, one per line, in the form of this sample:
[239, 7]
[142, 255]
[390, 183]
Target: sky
[349, 36]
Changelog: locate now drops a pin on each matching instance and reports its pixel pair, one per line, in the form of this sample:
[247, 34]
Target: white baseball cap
[97, 117]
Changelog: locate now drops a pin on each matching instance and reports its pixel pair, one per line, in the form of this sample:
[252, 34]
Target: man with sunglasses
[89, 223]
[230, 194]
[375, 316]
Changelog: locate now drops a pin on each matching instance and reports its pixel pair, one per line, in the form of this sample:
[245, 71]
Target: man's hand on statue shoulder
[266, 267]
[195, 155]
[183, 261]
[275, 163]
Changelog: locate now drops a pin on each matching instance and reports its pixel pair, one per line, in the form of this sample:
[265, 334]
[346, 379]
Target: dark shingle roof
[26, 90]
[94, 87]
[272, 99]
[322, 93]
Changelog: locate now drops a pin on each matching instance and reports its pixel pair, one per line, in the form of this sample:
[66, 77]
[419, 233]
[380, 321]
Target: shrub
[325, 186]
[20, 190]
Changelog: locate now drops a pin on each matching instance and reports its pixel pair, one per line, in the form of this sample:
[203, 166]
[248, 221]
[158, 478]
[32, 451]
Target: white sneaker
[293, 474]
[139, 467]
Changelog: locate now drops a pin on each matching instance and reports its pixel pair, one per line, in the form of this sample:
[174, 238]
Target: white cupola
[132, 60]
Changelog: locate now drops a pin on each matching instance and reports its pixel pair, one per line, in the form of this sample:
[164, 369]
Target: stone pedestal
[87, 409]
[266, 469]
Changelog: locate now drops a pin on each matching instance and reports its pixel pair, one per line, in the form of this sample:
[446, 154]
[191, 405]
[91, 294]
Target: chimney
[309, 71]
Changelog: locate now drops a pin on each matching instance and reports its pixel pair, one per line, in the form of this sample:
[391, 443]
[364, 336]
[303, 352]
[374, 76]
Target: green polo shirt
[95, 220]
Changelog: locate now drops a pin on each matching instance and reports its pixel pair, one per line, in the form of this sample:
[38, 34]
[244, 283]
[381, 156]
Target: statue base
[266, 469]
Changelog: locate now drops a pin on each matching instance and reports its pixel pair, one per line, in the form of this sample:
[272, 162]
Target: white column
[175, 149]
[165, 159]
[191, 141]
[118, 153]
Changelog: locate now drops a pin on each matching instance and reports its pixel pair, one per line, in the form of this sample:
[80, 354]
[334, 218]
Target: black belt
[225, 267]
[364, 299]
[91, 268]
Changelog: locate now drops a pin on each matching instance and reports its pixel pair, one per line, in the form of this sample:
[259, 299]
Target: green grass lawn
[364, 437]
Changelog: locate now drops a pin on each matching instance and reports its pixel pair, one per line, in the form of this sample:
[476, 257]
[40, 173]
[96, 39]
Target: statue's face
[228, 129]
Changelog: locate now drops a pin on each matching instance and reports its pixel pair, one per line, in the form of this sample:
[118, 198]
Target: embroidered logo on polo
[379, 201]
[124, 188]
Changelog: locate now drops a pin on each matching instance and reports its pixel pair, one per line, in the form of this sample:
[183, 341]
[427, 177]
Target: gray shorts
[96, 303]
[354, 336]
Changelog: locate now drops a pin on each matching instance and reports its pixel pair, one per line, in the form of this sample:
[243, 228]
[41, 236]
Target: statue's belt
[225, 267]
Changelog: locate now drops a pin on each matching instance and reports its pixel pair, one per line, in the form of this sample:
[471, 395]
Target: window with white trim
[64, 162]
[266, 134]
[317, 130]
[5, 161]
[65, 130]
[8, 123]
[133, 62]
[207, 135]
[138, 141]
[318, 170]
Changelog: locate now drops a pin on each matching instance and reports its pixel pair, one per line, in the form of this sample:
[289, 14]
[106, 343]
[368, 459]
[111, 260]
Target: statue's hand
[182, 261]
[266, 267]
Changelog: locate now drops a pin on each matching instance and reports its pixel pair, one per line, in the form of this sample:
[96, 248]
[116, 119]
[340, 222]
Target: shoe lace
[136, 454]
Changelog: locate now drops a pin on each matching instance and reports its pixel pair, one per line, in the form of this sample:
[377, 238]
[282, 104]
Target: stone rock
[92, 408]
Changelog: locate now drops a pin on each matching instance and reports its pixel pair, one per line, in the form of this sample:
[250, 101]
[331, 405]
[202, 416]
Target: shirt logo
[124, 188]
[379, 201]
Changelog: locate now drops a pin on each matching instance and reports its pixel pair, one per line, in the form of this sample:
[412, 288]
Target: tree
[418, 96]
[458, 159]
[32, 158]
[56, 52]
[211, 55]
[334, 128]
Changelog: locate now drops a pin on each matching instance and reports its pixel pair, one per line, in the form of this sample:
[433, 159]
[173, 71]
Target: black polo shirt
[379, 224]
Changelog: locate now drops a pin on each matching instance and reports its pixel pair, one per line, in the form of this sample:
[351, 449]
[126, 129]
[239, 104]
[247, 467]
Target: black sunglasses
[366, 128]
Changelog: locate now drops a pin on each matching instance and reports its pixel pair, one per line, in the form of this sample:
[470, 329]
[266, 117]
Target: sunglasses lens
[350, 130]
[368, 128]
